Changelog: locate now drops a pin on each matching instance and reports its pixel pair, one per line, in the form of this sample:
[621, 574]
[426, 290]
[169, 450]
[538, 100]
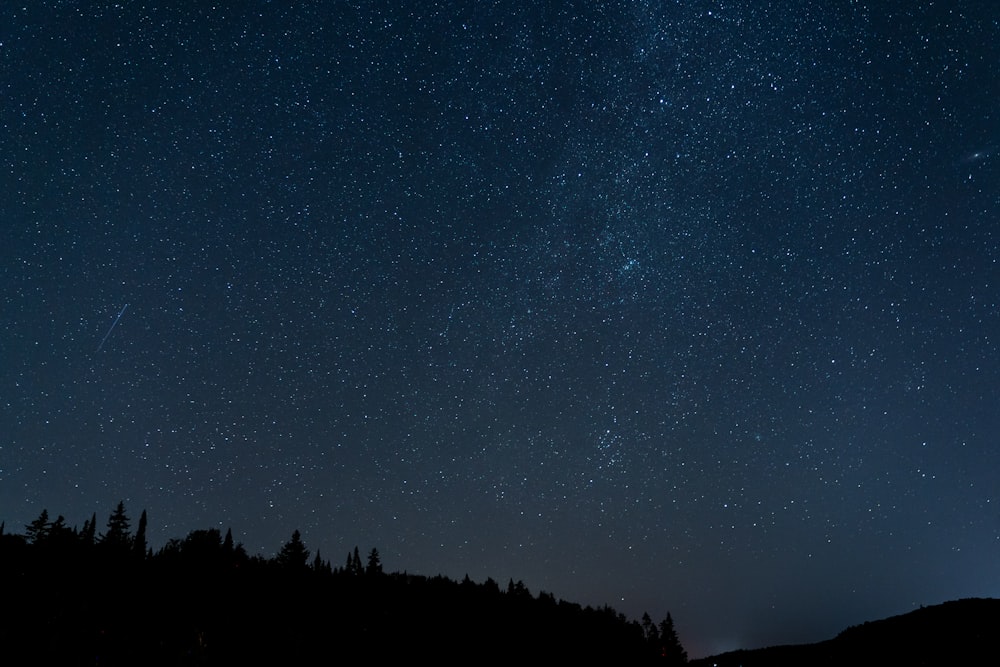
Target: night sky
[673, 306]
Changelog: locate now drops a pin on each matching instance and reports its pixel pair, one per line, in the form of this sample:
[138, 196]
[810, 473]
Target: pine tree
[374, 564]
[518, 590]
[139, 542]
[117, 537]
[673, 652]
[89, 529]
[38, 530]
[491, 587]
[650, 632]
[320, 565]
[294, 554]
[354, 564]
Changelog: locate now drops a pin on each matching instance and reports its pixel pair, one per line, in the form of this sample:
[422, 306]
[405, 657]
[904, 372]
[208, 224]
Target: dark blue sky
[672, 306]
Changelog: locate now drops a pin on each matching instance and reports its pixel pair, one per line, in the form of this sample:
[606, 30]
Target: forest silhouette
[82, 597]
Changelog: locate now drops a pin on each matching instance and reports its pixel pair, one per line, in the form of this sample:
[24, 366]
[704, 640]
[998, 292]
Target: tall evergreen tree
[117, 537]
[89, 530]
[320, 565]
[518, 590]
[650, 631]
[139, 541]
[354, 564]
[374, 564]
[491, 587]
[673, 652]
[38, 530]
[293, 554]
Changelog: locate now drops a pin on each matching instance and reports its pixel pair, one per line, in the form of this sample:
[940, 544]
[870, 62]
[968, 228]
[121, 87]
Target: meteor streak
[111, 329]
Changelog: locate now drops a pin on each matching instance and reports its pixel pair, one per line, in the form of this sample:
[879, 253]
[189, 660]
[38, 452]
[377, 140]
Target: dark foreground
[70, 597]
[953, 633]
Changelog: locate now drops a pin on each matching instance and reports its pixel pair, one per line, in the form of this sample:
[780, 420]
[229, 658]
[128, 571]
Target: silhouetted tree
[38, 530]
[89, 530]
[61, 538]
[227, 544]
[518, 590]
[294, 554]
[202, 543]
[139, 541]
[59, 525]
[170, 551]
[673, 653]
[650, 632]
[374, 564]
[320, 565]
[354, 563]
[491, 587]
[117, 537]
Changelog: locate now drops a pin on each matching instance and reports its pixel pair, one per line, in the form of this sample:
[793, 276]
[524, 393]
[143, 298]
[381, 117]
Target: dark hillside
[74, 597]
[952, 633]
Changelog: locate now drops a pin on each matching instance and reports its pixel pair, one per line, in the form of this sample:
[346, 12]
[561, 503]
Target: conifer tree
[117, 537]
[38, 530]
[354, 566]
[491, 587]
[89, 529]
[673, 652]
[139, 542]
[320, 565]
[650, 631]
[294, 554]
[374, 564]
[518, 590]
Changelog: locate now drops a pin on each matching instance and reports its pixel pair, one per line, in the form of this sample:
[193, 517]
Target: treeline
[76, 596]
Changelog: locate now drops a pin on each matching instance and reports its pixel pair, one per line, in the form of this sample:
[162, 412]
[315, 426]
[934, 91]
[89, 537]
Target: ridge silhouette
[76, 597]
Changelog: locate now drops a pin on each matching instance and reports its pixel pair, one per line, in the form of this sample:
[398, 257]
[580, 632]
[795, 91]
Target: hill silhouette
[78, 597]
[952, 633]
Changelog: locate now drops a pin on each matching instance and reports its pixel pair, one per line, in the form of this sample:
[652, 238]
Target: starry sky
[684, 306]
